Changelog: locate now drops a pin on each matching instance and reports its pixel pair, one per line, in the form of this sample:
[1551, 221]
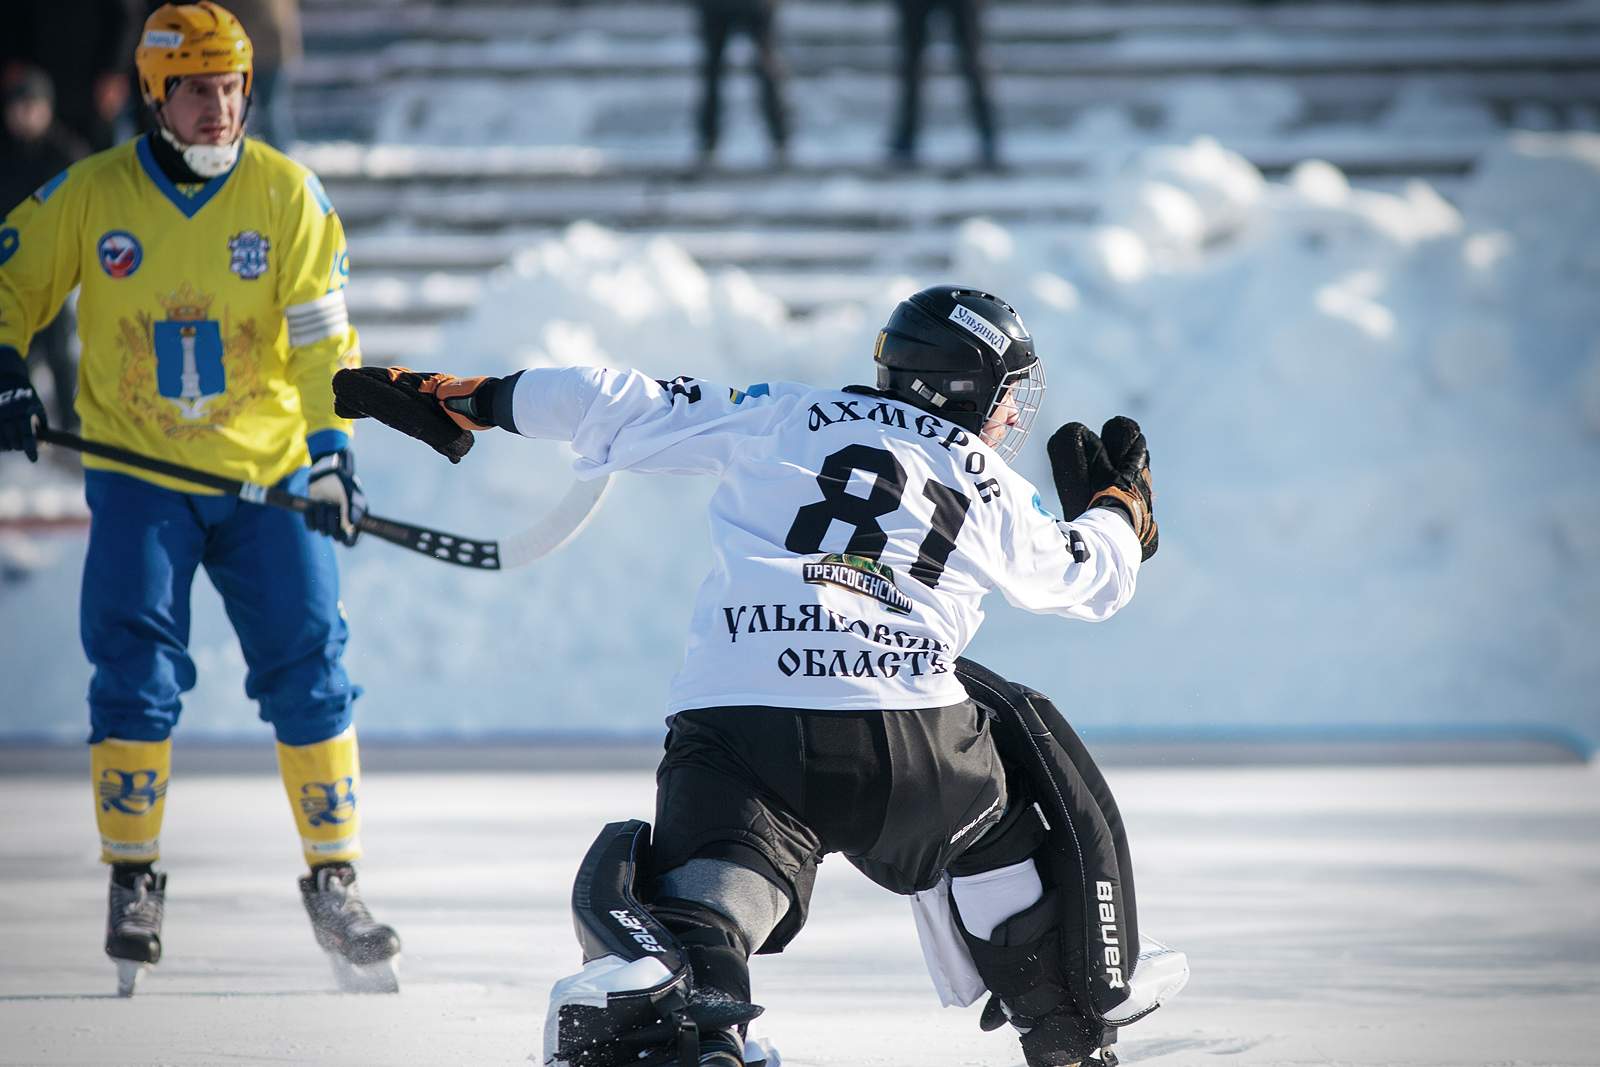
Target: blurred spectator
[35, 147]
[756, 18]
[85, 46]
[967, 25]
[274, 29]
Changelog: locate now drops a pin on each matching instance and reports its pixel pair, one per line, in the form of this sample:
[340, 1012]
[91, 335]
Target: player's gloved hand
[1081, 468]
[466, 400]
[1130, 488]
[440, 410]
[1108, 470]
[19, 406]
[337, 500]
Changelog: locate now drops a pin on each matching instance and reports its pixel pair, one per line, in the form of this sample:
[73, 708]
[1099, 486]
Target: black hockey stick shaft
[451, 548]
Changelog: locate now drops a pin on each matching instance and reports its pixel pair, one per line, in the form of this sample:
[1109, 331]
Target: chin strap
[206, 160]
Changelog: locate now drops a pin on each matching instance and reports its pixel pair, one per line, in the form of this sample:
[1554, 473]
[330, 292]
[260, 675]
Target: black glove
[19, 406]
[1080, 465]
[338, 503]
[1111, 470]
[421, 404]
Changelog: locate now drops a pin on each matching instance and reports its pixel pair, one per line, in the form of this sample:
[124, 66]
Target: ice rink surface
[1437, 915]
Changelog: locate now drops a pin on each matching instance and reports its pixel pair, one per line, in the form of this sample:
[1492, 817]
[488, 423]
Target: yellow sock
[130, 784]
[322, 781]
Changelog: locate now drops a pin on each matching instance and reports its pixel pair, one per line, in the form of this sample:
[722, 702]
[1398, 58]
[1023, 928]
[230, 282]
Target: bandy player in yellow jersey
[212, 317]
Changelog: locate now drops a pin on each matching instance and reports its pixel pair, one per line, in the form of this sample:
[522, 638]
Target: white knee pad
[986, 900]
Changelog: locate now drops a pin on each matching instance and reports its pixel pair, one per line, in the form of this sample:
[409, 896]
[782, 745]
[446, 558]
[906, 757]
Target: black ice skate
[133, 921]
[365, 953]
[721, 1048]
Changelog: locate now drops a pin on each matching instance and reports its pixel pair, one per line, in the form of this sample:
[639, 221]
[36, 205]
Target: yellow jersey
[212, 316]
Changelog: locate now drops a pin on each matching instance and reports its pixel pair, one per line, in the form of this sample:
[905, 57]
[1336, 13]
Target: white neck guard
[206, 160]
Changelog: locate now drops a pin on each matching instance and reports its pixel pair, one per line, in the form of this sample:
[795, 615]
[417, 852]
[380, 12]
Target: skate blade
[756, 1054]
[128, 972]
[671, 1059]
[760, 1052]
[380, 977]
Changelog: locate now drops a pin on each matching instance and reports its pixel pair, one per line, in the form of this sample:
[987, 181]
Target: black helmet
[959, 353]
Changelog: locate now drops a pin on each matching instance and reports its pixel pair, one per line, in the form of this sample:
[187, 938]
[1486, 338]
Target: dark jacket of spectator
[274, 29]
[86, 47]
[34, 145]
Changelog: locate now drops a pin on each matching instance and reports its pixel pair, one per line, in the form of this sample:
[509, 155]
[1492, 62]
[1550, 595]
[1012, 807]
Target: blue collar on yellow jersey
[189, 205]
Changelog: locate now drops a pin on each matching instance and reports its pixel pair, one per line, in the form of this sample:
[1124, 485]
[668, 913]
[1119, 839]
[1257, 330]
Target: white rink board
[1332, 916]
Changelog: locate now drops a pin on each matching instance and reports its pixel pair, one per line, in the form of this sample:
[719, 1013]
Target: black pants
[902, 794]
[757, 18]
[966, 24]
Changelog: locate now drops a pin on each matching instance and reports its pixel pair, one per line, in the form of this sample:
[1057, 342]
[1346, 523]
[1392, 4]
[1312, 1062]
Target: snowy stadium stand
[452, 134]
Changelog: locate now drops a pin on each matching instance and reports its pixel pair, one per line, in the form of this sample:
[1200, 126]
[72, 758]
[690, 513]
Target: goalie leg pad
[1020, 962]
[1010, 846]
[1113, 974]
[635, 997]
[719, 912]
[718, 955]
[1085, 858]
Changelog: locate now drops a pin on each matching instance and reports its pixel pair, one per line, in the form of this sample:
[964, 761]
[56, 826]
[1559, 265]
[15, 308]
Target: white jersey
[854, 536]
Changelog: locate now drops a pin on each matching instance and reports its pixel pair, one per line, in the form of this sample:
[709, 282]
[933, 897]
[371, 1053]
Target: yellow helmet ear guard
[183, 39]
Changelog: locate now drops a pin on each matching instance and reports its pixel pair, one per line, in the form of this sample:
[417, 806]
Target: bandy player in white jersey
[855, 533]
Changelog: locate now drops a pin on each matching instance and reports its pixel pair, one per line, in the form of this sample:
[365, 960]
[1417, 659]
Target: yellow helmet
[183, 39]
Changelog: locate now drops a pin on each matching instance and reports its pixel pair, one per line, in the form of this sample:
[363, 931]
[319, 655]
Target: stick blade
[560, 525]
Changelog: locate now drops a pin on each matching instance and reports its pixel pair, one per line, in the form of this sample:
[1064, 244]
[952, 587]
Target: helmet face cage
[963, 354]
[1022, 391]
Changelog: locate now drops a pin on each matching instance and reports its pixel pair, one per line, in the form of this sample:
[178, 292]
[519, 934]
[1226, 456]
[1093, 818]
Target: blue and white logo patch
[120, 253]
[982, 328]
[163, 39]
[249, 251]
[42, 193]
[319, 194]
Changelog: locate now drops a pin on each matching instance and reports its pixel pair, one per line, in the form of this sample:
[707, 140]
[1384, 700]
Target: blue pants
[279, 583]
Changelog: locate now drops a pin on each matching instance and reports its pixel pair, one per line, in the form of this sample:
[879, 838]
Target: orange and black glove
[440, 410]
[1108, 470]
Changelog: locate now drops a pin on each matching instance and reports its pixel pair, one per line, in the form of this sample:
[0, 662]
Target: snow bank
[1375, 421]
[1344, 389]
[584, 641]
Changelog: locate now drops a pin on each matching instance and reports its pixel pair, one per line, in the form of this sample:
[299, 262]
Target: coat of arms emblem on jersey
[249, 250]
[189, 349]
